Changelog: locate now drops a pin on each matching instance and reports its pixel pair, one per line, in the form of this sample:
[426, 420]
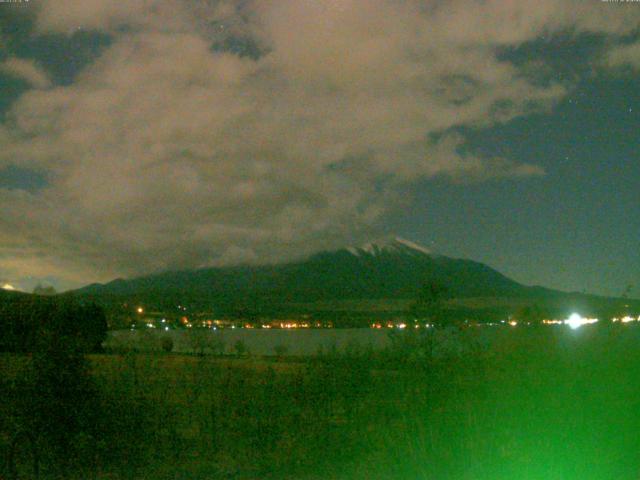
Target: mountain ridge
[392, 271]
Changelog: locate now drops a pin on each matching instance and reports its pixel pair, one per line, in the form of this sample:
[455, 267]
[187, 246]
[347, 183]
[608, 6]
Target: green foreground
[539, 403]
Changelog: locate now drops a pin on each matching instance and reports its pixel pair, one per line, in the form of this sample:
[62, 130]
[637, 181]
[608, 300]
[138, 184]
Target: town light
[576, 321]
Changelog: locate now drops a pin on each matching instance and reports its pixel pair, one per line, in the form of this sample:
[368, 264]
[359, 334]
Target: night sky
[145, 135]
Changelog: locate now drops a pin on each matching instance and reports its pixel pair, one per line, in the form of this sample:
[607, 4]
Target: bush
[240, 348]
[280, 350]
[167, 344]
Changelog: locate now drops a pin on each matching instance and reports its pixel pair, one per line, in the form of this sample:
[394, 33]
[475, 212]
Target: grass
[538, 403]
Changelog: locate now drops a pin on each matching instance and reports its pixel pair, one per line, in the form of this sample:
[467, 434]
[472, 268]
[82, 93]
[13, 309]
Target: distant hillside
[372, 275]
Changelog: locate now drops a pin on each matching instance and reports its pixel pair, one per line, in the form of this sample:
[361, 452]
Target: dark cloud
[16, 178]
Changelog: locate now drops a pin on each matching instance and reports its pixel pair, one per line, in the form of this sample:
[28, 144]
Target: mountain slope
[392, 269]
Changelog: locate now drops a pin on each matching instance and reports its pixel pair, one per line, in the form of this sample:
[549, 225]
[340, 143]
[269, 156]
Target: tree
[26, 319]
[43, 290]
[199, 339]
[61, 402]
[240, 348]
[84, 324]
[93, 326]
[218, 345]
[167, 344]
[280, 350]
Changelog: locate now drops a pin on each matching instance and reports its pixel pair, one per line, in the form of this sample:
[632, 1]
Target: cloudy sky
[142, 135]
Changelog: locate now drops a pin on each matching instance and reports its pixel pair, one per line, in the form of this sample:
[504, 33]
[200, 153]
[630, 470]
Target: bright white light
[576, 321]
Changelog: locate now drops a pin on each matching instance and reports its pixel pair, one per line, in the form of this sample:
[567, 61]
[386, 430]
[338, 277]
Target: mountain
[390, 268]
[381, 275]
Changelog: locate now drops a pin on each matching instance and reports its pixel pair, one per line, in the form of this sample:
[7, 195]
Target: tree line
[27, 322]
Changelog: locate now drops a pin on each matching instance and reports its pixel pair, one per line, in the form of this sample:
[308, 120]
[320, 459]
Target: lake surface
[312, 341]
[303, 341]
[256, 341]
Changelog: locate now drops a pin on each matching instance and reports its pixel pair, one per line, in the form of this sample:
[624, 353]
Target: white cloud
[62, 16]
[165, 153]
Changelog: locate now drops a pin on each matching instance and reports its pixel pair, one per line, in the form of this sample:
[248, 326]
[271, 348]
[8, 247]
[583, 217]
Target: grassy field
[539, 403]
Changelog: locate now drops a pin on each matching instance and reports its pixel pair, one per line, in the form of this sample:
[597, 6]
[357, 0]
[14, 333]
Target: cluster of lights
[626, 319]
[290, 325]
[576, 321]
[552, 322]
[400, 326]
[214, 325]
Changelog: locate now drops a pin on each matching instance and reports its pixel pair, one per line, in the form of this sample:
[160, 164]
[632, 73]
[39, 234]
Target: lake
[311, 341]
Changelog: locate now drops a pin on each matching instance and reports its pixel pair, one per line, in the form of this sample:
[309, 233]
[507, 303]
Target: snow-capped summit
[390, 245]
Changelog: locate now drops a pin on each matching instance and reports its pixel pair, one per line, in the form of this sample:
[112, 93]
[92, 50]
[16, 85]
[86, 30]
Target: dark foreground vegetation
[534, 404]
[31, 323]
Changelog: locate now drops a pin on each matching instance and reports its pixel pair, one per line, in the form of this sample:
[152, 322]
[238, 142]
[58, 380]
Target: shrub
[167, 344]
[280, 350]
[240, 348]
